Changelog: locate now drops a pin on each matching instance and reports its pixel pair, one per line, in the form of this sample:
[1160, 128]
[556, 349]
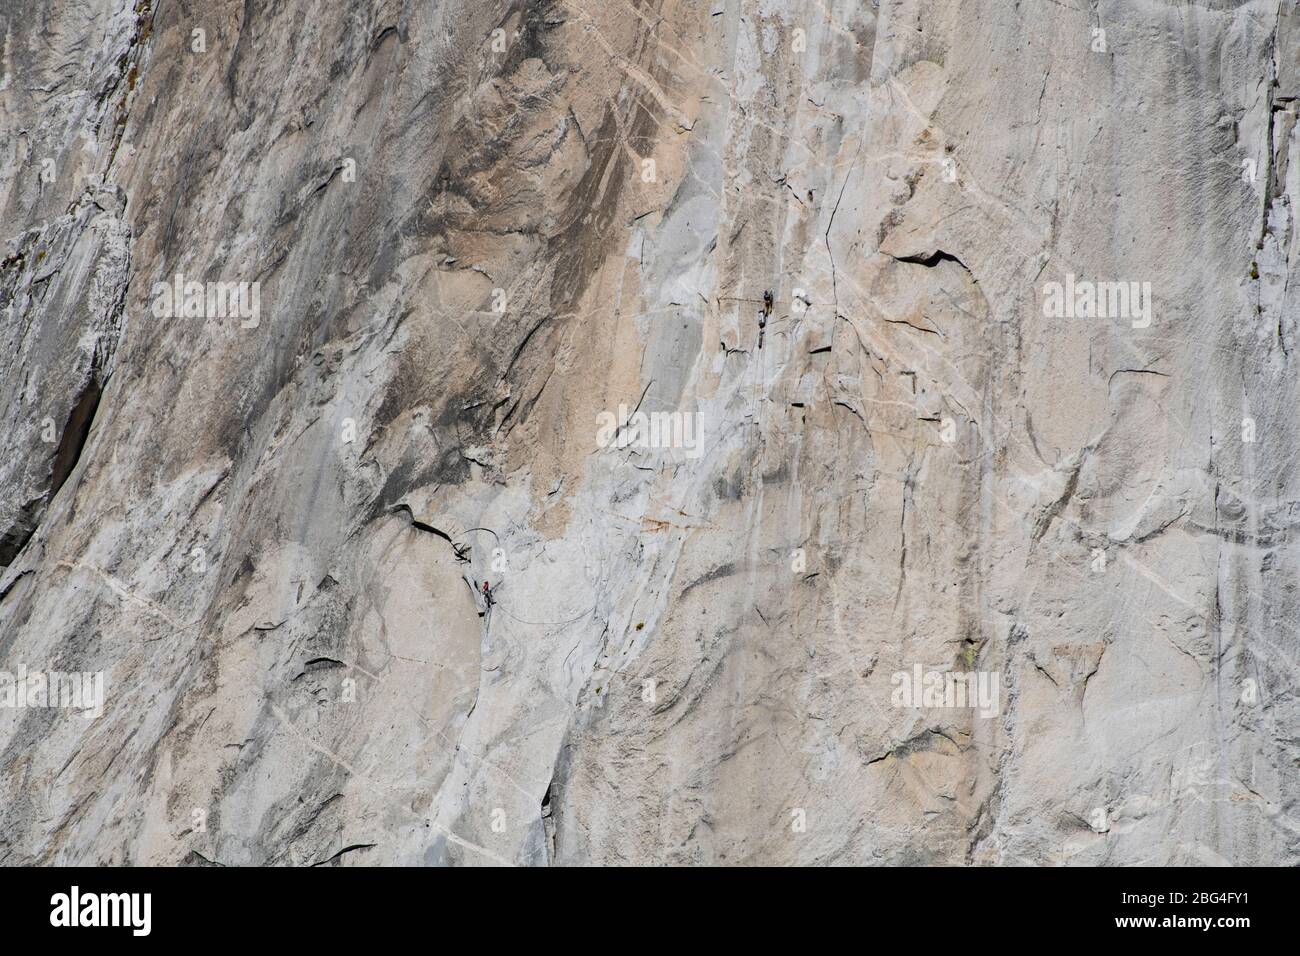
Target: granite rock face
[875, 422]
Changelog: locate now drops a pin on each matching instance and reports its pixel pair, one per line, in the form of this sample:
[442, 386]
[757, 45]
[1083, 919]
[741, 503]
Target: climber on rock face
[764, 315]
[487, 595]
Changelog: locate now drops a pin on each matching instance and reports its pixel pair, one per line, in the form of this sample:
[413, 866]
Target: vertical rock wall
[486, 234]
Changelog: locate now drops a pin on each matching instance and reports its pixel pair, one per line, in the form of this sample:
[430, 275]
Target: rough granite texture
[465, 256]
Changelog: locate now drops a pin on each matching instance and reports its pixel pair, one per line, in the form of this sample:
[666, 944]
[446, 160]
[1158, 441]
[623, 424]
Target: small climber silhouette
[488, 600]
[763, 316]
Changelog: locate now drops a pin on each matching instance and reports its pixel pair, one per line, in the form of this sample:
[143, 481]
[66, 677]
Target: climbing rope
[545, 623]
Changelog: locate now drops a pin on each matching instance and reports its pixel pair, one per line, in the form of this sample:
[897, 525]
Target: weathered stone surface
[477, 227]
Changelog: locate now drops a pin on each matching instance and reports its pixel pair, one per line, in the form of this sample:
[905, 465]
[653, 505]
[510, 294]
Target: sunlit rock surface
[483, 234]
